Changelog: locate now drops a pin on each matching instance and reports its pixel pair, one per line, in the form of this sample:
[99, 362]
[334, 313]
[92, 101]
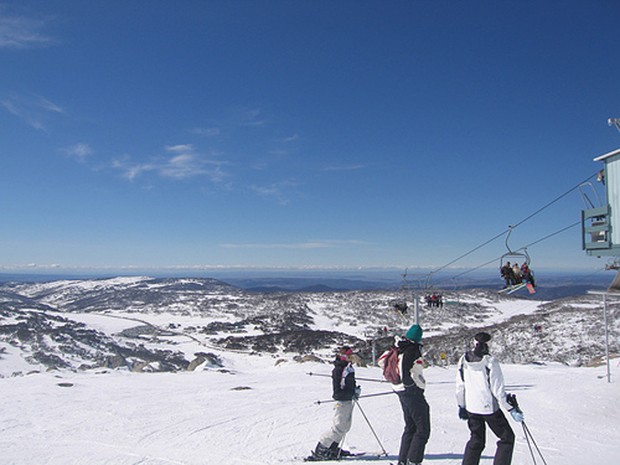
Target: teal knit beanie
[414, 333]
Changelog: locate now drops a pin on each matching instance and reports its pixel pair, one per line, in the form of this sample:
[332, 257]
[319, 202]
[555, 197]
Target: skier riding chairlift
[514, 276]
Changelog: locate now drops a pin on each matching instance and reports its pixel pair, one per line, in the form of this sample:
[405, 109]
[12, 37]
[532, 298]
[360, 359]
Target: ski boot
[321, 453]
[337, 452]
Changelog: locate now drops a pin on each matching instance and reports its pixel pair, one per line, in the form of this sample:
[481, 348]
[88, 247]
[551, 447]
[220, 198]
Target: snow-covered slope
[262, 413]
[227, 386]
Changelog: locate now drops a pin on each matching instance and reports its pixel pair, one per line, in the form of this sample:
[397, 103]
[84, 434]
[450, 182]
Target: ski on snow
[344, 458]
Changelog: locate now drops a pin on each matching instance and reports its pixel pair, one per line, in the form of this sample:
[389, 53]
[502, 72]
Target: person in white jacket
[480, 393]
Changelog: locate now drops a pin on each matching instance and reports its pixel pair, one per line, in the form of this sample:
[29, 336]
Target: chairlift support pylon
[456, 292]
[401, 306]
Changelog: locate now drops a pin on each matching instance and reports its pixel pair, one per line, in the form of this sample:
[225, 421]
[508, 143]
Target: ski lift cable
[510, 228]
[557, 199]
[544, 238]
[470, 252]
[475, 268]
[550, 235]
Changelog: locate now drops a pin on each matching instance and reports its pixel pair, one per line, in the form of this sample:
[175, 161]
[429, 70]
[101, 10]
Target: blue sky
[157, 134]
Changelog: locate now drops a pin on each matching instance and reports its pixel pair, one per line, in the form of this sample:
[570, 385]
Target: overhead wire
[512, 227]
[544, 238]
[560, 197]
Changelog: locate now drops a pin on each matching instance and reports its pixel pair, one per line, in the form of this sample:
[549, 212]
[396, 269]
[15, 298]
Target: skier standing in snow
[416, 410]
[345, 392]
[479, 394]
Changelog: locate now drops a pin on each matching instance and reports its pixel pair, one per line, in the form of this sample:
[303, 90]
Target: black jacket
[343, 368]
[409, 351]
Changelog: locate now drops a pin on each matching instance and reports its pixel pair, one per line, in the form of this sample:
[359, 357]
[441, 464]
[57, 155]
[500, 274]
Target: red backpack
[391, 369]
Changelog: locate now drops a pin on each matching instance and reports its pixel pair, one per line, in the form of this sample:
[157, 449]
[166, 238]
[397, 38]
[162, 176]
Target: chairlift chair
[400, 305]
[520, 257]
[513, 255]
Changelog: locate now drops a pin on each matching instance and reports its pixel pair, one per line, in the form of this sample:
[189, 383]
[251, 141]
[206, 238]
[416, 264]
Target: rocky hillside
[146, 324]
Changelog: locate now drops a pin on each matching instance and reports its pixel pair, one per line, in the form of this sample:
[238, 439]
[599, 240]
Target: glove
[512, 401]
[517, 415]
[358, 392]
[463, 415]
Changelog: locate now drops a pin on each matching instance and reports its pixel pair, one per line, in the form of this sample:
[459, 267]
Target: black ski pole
[527, 440]
[318, 402]
[528, 433]
[370, 426]
[340, 444]
[374, 380]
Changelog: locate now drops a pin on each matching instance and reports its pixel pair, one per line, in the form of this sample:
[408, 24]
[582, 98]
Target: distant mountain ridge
[554, 286]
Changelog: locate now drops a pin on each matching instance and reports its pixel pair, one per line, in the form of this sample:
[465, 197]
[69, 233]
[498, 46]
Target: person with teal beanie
[416, 410]
[414, 333]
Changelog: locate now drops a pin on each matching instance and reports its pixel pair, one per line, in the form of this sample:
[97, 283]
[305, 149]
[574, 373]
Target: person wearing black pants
[480, 393]
[499, 425]
[417, 427]
[416, 410]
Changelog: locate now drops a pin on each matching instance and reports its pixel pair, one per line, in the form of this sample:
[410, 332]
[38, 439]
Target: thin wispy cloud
[244, 116]
[206, 132]
[49, 106]
[234, 119]
[292, 138]
[184, 162]
[180, 148]
[33, 110]
[130, 170]
[352, 167]
[80, 151]
[279, 191]
[18, 32]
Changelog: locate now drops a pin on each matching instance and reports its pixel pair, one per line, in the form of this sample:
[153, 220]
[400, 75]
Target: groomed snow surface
[263, 413]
